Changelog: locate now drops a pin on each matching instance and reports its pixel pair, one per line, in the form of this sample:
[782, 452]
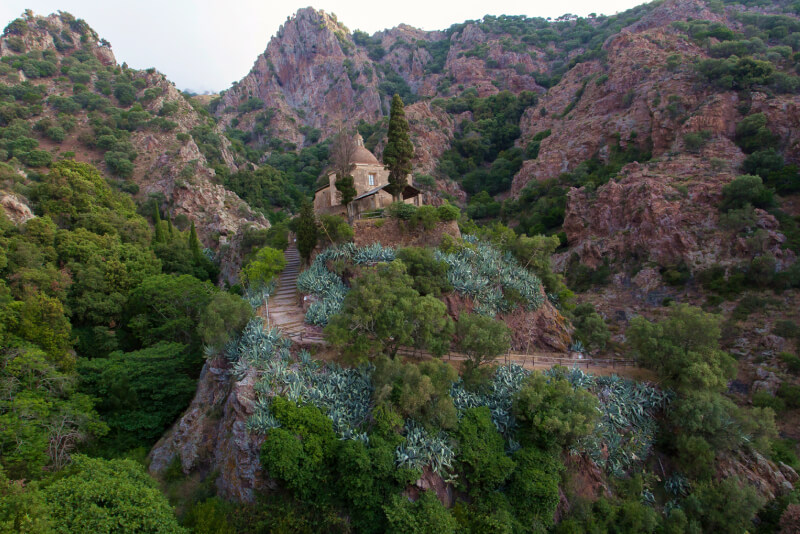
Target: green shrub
[695, 456]
[425, 216]
[764, 399]
[590, 328]
[695, 141]
[401, 210]
[790, 393]
[481, 453]
[119, 163]
[746, 190]
[448, 212]
[169, 108]
[429, 274]
[783, 450]
[56, 133]
[335, 229]
[125, 94]
[792, 361]
[36, 158]
[752, 134]
[787, 329]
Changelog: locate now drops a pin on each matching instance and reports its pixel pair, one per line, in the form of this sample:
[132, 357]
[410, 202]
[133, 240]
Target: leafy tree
[225, 313]
[383, 312]
[299, 452]
[752, 134]
[481, 452]
[683, 349]
[159, 236]
[141, 393]
[551, 413]
[590, 327]
[430, 274]
[399, 150]
[264, 267]
[104, 270]
[426, 515]
[125, 94]
[167, 308]
[42, 321]
[726, 506]
[418, 391]
[42, 418]
[106, 496]
[481, 338]
[335, 229]
[22, 507]
[307, 231]
[267, 187]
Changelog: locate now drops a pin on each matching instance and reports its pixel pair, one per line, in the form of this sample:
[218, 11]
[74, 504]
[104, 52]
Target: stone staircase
[285, 310]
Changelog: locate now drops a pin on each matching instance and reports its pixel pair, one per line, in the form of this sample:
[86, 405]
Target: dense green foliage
[481, 338]
[100, 350]
[108, 496]
[262, 269]
[266, 188]
[482, 157]
[551, 413]
[383, 312]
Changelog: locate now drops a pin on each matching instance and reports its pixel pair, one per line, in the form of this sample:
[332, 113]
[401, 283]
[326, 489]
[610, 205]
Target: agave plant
[422, 448]
[677, 485]
[374, 253]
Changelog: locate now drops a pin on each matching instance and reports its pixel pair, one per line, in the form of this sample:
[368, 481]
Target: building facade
[370, 179]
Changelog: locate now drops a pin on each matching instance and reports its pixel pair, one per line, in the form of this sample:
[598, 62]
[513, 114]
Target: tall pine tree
[194, 242]
[307, 231]
[399, 150]
[159, 237]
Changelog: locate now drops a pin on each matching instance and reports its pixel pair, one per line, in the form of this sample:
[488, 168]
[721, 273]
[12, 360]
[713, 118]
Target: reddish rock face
[664, 212]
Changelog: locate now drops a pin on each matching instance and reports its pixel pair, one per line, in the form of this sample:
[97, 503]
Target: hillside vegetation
[617, 188]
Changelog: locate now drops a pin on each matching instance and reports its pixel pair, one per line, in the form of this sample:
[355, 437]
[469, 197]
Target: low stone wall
[394, 233]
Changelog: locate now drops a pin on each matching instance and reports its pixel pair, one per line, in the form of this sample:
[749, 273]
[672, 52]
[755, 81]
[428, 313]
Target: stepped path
[285, 310]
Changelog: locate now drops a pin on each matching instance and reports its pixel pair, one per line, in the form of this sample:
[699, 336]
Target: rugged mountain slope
[63, 88]
[599, 87]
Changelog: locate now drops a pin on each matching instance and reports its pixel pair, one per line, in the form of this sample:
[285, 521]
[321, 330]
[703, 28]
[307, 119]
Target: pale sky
[205, 45]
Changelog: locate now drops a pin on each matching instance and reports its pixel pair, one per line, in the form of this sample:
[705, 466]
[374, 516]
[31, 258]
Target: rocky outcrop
[15, 208]
[211, 436]
[768, 478]
[541, 330]
[665, 212]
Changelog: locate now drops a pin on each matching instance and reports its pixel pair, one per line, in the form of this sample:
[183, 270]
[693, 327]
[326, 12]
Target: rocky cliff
[604, 85]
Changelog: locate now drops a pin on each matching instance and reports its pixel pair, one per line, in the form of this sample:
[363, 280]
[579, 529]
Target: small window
[371, 179]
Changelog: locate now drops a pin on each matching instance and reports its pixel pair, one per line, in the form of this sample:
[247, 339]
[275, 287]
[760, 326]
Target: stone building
[370, 179]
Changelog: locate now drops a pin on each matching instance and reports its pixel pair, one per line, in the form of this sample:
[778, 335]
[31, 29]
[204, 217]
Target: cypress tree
[306, 231]
[159, 237]
[399, 150]
[170, 229]
[194, 242]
